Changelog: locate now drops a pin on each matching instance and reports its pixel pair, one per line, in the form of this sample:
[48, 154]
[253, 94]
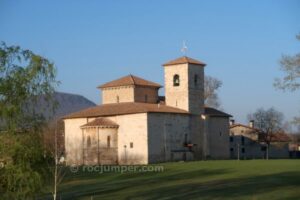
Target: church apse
[100, 142]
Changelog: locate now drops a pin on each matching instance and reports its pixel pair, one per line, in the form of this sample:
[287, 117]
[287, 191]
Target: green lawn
[251, 179]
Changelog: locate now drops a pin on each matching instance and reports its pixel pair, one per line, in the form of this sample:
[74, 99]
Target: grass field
[251, 179]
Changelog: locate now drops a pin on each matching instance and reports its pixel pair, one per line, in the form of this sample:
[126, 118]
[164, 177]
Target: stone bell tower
[184, 84]
[184, 89]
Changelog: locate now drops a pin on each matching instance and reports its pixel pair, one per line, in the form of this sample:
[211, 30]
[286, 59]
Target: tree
[211, 85]
[54, 143]
[24, 77]
[290, 65]
[269, 122]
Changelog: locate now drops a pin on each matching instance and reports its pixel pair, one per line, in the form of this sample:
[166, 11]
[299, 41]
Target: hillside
[66, 104]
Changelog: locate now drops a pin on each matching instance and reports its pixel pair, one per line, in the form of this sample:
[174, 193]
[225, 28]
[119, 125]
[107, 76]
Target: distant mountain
[66, 104]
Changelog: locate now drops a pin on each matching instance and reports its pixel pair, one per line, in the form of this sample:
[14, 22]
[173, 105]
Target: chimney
[251, 123]
[231, 122]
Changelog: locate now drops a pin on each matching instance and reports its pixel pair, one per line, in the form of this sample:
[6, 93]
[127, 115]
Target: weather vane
[184, 48]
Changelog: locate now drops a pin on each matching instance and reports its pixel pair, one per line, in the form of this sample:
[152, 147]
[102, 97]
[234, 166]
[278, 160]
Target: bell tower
[184, 84]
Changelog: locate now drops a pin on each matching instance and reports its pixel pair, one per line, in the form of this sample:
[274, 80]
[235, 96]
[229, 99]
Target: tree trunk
[56, 161]
[267, 154]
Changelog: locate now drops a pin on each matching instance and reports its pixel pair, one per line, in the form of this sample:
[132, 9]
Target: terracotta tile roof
[279, 137]
[183, 60]
[130, 80]
[123, 109]
[101, 122]
[214, 112]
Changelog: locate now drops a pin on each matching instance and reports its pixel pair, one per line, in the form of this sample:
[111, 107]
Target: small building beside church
[134, 125]
[246, 143]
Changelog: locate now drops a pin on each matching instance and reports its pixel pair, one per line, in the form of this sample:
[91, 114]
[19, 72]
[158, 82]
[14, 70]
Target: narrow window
[231, 138]
[108, 141]
[243, 140]
[176, 80]
[220, 133]
[118, 99]
[243, 150]
[196, 79]
[146, 98]
[131, 144]
[88, 142]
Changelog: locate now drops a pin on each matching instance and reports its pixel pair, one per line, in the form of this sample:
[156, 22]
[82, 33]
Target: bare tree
[211, 85]
[290, 65]
[54, 143]
[268, 122]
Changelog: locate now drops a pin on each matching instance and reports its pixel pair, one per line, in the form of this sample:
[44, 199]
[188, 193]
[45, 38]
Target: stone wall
[129, 94]
[73, 140]
[189, 94]
[216, 137]
[100, 145]
[196, 89]
[167, 135]
[146, 94]
[177, 96]
[245, 145]
[118, 94]
[132, 138]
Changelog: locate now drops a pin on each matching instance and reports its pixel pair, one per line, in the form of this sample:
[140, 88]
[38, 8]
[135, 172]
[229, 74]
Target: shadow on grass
[111, 183]
[196, 184]
[230, 188]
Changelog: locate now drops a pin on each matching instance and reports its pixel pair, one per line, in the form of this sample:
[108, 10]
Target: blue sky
[92, 42]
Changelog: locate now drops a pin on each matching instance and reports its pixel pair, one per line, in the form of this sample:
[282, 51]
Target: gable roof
[183, 60]
[130, 80]
[215, 113]
[245, 126]
[123, 109]
[103, 122]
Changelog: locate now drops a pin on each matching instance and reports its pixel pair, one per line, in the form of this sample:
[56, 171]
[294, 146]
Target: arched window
[108, 141]
[176, 80]
[88, 142]
[196, 79]
[118, 99]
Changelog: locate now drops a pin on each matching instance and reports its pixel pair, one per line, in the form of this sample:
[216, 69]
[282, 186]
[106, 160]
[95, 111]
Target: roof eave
[170, 64]
[149, 86]
[212, 115]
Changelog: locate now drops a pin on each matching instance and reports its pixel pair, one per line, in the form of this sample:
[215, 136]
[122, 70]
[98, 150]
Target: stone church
[134, 125]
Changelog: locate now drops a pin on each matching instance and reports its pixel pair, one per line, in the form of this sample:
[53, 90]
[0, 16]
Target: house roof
[123, 109]
[275, 137]
[130, 80]
[245, 126]
[215, 113]
[279, 137]
[101, 122]
[183, 60]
